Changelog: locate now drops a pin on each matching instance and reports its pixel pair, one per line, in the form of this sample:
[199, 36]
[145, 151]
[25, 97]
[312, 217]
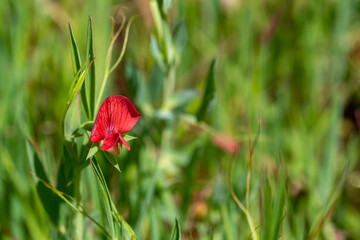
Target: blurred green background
[290, 67]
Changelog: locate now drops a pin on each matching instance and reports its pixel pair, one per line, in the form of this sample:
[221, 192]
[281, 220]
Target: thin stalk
[108, 57]
[101, 179]
[238, 202]
[126, 37]
[169, 87]
[148, 198]
[109, 69]
[247, 194]
[250, 161]
[78, 208]
[78, 217]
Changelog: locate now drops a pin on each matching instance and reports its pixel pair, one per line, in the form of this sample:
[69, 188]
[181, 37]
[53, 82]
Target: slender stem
[115, 214]
[169, 84]
[108, 60]
[126, 37]
[78, 208]
[252, 146]
[149, 195]
[238, 202]
[101, 91]
[109, 69]
[78, 214]
[248, 178]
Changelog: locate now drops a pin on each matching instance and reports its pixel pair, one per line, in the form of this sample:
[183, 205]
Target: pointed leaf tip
[176, 233]
[209, 93]
[93, 150]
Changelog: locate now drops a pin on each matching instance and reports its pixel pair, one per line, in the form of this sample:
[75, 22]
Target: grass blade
[105, 194]
[209, 92]
[72, 118]
[180, 38]
[91, 76]
[76, 59]
[68, 200]
[328, 207]
[113, 160]
[176, 233]
[77, 83]
[74, 52]
[92, 151]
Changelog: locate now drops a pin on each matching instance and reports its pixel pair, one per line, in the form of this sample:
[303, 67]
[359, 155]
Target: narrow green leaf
[229, 227]
[156, 83]
[145, 204]
[87, 125]
[129, 138]
[209, 93]
[105, 195]
[74, 52]
[180, 37]
[278, 209]
[76, 66]
[92, 151]
[91, 76]
[181, 99]
[176, 233]
[154, 224]
[48, 199]
[77, 83]
[156, 52]
[155, 9]
[168, 47]
[68, 199]
[129, 229]
[72, 118]
[137, 84]
[266, 217]
[166, 5]
[113, 160]
[111, 211]
[328, 207]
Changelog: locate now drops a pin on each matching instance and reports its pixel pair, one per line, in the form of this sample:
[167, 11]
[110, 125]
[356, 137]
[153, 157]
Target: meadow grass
[248, 126]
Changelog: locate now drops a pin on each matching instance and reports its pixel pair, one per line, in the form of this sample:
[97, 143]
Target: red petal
[100, 128]
[122, 114]
[122, 140]
[117, 114]
[110, 141]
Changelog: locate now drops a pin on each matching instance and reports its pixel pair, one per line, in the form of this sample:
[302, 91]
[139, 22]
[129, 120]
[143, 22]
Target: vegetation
[249, 123]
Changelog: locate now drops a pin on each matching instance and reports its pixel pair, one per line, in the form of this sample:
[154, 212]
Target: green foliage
[209, 92]
[72, 118]
[176, 233]
[292, 65]
[77, 66]
[94, 148]
[91, 75]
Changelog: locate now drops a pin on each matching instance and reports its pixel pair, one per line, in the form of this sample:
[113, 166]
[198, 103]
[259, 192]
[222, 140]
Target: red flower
[117, 115]
[226, 143]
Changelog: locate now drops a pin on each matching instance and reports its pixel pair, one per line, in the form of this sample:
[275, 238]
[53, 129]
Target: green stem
[148, 198]
[240, 205]
[78, 216]
[169, 87]
[109, 69]
[68, 200]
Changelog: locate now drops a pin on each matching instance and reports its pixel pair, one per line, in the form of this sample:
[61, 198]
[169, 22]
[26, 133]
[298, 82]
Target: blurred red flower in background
[117, 115]
[226, 142]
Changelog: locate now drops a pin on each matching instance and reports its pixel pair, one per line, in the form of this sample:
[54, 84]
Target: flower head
[117, 115]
